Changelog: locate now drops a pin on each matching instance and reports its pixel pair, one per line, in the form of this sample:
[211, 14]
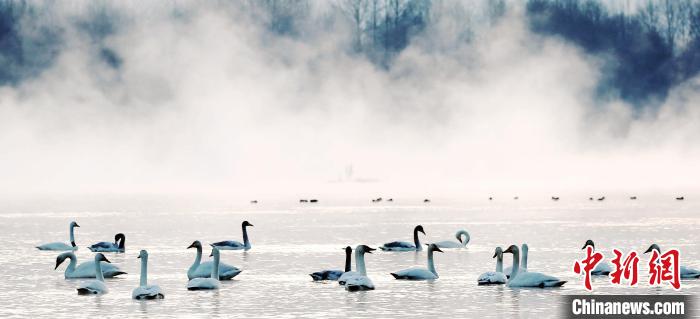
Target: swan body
[116, 247]
[686, 272]
[494, 277]
[403, 245]
[210, 283]
[602, 268]
[203, 270]
[420, 273]
[359, 280]
[86, 269]
[144, 291]
[59, 246]
[334, 274]
[529, 279]
[96, 286]
[460, 243]
[236, 245]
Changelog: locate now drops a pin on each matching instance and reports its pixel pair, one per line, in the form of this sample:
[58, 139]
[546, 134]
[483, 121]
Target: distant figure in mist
[313, 201]
[490, 198]
[390, 200]
[555, 198]
[253, 201]
[303, 201]
[590, 198]
[601, 199]
[680, 198]
[377, 200]
[515, 198]
[633, 198]
[426, 201]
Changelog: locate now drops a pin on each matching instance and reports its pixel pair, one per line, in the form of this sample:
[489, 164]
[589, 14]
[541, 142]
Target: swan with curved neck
[359, 281]
[59, 246]
[212, 282]
[405, 246]
[686, 272]
[96, 286]
[523, 266]
[603, 268]
[86, 269]
[203, 270]
[526, 278]
[236, 245]
[334, 274]
[421, 273]
[144, 291]
[118, 246]
[494, 277]
[460, 243]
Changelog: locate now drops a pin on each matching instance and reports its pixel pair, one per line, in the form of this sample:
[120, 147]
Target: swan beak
[509, 250]
[370, 250]
[191, 246]
[459, 239]
[494, 255]
[649, 250]
[57, 264]
[139, 256]
[76, 225]
[438, 249]
[106, 260]
[251, 225]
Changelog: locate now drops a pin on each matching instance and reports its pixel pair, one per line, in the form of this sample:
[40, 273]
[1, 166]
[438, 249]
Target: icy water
[291, 240]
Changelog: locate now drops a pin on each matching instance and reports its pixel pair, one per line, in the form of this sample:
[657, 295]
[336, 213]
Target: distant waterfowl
[633, 197]
[601, 199]
[686, 272]
[59, 246]
[420, 273]
[358, 281]
[590, 198]
[405, 246]
[390, 200]
[313, 201]
[460, 243]
[253, 201]
[680, 198]
[426, 201]
[494, 277]
[515, 198]
[210, 283]
[144, 291]
[490, 198]
[602, 268]
[96, 286]
[303, 201]
[555, 198]
[377, 200]
[236, 245]
[117, 246]
[86, 269]
[526, 278]
[203, 270]
[334, 274]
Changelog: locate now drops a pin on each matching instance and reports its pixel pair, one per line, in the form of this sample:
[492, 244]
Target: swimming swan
[144, 291]
[59, 246]
[686, 272]
[236, 245]
[334, 274]
[96, 286]
[405, 246]
[523, 266]
[207, 283]
[494, 277]
[420, 273]
[86, 269]
[203, 270]
[454, 244]
[529, 279]
[602, 268]
[359, 281]
[104, 246]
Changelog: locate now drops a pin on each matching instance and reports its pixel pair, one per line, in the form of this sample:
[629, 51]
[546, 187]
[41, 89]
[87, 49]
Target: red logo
[665, 268]
[592, 259]
[626, 269]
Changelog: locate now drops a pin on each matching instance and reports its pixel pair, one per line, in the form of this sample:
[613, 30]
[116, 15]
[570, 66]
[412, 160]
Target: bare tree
[356, 10]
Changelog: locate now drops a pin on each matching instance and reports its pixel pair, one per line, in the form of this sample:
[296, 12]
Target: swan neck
[71, 266]
[215, 269]
[144, 271]
[360, 262]
[197, 261]
[72, 236]
[246, 241]
[348, 261]
[431, 262]
[499, 263]
[524, 263]
[98, 270]
[416, 241]
[516, 264]
[121, 242]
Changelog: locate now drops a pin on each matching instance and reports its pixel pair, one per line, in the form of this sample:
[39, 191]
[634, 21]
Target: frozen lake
[291, 240]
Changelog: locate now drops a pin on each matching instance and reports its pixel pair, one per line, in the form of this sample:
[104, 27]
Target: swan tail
[117, 273]
[317, 276]
[230, 276]
[396, 276]
[85, 291]
[555, 284]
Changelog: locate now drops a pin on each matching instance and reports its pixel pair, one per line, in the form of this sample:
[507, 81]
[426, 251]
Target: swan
[334, 274]
[453, 244]
[144, 291]
[405, 246]
[523, 267]
[207, 283]
[86, 269]
[494, 277]
[96, 286]
[236, 245]
[104, 246]
[420, 273]
[602, 268]
[62, 246]
[203, 270]
[686, 272]
[526, 278]
[359, 281]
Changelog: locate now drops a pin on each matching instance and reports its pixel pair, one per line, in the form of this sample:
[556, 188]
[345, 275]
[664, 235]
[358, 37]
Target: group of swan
[518, 275]
[118, 246]
[461, 235]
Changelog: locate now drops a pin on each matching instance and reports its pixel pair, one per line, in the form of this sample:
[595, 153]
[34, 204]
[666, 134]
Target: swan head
[459, 234]
[512, 249]
[653, 247]
[498, 252]
[364, 249]
[61, 258]
[419, 228]
[195, 244]
[143, 254]
[525, 248]
[119, 237]
[433, 247]
[246, 224]
[100, 257]
[588, 243]
[74, 224]
[348, 249]
[214, 252]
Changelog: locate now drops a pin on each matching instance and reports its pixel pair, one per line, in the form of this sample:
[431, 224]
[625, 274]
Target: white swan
[602, 268]
[405, 246]
[207, 283]
[460, 243]
[686, 272]
[86, 269]
[116, 247]
[494, 277]
[334, 274]
[529, 279]
[59, 246]
[144, 291]
[236, 245]
[359, 281]
[203, 270]
[96, 286]
[523, 265]
[420, 273]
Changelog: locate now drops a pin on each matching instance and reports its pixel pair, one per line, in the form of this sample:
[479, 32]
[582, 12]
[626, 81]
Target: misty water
[291, 240]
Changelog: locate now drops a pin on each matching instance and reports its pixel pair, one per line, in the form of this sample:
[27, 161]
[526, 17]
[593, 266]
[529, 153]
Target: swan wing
[104, 246]
[92, 287]
[347, 275]
[87, 270]
[326, 275]
[414, 274]
[449, 244]
[358, 283]
[602, 269]
[535, 279]
[492, 278]
[398, 246]
[147, 293]
[202, 284]
[226, 271]
[689, 273]
[229, 245]
[56, 246]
